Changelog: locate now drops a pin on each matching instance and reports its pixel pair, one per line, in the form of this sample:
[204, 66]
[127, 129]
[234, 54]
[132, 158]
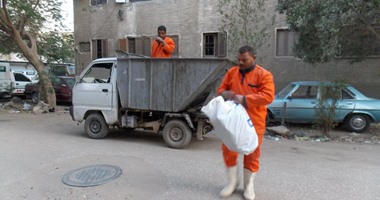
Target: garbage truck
[163, 95]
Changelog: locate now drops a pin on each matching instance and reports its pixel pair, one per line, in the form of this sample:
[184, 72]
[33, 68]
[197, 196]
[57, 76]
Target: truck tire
[177, 134]
[95, 126]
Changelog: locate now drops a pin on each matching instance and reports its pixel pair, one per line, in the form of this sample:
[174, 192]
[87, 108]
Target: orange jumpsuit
[160, 51]
[258, 88]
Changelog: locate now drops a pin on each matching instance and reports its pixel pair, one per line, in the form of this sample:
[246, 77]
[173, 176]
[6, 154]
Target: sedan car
[297, 103]
[63, 86]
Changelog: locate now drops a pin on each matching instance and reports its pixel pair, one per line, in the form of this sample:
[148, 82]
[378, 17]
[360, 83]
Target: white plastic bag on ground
[232, 125]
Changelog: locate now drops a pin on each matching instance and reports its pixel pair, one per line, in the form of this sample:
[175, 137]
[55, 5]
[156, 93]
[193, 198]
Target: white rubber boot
[232, 184]
[249, 190]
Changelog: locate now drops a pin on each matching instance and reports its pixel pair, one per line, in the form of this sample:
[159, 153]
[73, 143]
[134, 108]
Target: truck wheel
[177, 134]
[357, 123]
[95, 126]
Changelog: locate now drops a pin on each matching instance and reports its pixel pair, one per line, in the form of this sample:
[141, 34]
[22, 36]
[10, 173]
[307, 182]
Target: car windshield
[285, 91]
[70, 82]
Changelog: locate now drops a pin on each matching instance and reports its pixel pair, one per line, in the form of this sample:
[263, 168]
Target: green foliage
[331, 28]
[57, 47]
[327, 105]
[245, 22]
[41, 21]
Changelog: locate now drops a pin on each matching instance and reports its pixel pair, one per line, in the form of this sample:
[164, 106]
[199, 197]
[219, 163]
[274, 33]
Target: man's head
[161, 32]
[246, 57]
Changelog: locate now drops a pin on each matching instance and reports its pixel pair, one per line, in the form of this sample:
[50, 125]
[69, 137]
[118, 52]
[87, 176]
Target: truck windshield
[98, 73]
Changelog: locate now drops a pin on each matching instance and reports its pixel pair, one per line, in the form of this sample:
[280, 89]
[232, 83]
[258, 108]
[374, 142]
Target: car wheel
[95, 126]
[177, 134]
[357, 123]
[35, 97]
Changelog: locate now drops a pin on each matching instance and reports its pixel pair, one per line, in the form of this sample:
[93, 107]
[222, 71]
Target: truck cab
[163, 95]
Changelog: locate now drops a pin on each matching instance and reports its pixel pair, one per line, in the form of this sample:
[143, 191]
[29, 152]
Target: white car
[20, 81]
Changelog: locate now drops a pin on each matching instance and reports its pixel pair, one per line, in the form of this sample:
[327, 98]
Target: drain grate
[92, 175]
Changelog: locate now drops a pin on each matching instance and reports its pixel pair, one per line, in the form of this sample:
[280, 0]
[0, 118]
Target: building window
[139, 45]
[99, 48]
[98, 2]
[214, 44]
[285, 39]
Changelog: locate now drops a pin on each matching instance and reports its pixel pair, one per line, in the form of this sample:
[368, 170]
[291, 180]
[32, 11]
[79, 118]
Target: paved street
[38, 150]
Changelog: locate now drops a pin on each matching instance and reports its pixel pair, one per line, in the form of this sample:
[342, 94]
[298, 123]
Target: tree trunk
[30, 53]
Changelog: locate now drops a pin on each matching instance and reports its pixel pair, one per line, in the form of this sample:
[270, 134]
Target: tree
[24, 29]
[333, 28]
[327, 104]
[245, 22]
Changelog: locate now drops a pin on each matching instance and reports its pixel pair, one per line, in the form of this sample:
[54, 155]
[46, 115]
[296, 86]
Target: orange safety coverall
[258, 88]
[160, 51]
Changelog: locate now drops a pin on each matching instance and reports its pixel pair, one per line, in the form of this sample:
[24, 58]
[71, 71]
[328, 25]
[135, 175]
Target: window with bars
[214, 44]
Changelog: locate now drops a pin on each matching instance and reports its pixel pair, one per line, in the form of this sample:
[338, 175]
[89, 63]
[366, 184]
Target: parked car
[297, 103]
[6, 80]
[62, 86]
[20, 81]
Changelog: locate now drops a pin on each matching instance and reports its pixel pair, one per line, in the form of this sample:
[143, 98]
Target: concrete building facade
[103, 26]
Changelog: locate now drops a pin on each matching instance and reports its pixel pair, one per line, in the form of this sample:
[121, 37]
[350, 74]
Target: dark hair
[162, 28]
[246, 48]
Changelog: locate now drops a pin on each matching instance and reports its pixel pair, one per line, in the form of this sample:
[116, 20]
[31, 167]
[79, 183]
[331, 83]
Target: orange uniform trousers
[251, 161]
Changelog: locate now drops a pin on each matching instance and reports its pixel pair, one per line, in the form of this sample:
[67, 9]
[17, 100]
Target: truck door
[95, 90]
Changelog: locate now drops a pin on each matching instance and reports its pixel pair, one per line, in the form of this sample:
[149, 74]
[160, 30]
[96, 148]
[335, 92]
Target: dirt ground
[338, 134]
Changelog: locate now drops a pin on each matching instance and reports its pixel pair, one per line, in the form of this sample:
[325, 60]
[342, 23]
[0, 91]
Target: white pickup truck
[161, 95]
[6, 80]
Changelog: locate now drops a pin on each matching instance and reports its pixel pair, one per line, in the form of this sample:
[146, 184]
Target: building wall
[189, 20]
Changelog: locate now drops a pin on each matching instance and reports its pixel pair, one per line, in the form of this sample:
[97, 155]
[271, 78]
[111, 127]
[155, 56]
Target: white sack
[232, 125]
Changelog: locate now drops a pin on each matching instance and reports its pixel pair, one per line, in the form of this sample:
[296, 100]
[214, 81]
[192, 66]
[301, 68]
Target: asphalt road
[36, 151]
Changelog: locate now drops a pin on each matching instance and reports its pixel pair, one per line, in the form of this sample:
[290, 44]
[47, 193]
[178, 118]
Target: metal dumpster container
[169, 85]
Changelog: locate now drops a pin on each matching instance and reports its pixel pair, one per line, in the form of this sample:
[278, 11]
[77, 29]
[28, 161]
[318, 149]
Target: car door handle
[313, 102]
[104, 90]
[350, 103]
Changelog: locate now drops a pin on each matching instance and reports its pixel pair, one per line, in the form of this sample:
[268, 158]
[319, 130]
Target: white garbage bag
[232, 125]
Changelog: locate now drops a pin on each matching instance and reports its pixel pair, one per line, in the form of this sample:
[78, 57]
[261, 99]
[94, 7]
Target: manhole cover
[91, 175]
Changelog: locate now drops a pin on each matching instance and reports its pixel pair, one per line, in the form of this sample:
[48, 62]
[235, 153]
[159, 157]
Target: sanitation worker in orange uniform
[162, 46]
[252, 86]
